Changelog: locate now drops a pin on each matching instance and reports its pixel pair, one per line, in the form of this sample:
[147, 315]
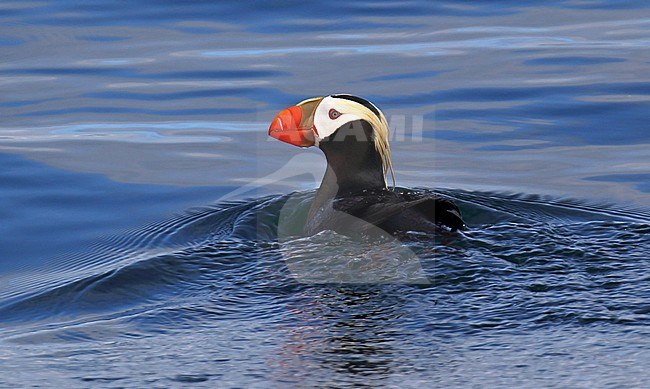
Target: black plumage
[354, 199]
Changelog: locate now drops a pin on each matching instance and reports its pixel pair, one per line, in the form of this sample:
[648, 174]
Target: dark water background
[140, 196]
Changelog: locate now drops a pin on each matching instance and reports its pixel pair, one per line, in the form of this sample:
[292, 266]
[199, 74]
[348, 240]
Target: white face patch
[334, 112]
[331, 114]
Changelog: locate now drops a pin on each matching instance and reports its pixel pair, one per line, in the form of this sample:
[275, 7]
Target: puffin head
[316, 121]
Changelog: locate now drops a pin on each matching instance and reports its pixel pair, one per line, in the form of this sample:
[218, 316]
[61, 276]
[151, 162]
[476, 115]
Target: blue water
[148, 234]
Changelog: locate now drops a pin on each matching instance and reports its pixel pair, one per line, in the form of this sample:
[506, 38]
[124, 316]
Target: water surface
[140, 196]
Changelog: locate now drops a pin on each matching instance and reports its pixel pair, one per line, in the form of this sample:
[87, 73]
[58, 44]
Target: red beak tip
[286, 128]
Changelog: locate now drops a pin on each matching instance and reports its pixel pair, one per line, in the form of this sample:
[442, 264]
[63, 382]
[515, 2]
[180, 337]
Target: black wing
[436, 209]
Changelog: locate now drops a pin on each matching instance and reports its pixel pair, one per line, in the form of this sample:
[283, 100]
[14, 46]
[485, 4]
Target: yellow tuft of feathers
[380, 126]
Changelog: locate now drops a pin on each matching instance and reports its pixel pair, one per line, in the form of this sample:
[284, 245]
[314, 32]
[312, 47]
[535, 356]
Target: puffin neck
[353, 163]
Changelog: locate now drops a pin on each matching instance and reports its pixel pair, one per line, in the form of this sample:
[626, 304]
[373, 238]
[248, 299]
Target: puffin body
[354, 198]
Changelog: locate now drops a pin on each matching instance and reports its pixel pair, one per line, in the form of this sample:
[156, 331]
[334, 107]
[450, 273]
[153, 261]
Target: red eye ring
[334, 114]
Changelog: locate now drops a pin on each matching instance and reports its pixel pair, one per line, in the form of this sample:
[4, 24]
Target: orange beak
[287, 127]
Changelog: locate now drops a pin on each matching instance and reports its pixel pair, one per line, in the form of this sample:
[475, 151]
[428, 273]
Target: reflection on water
[116, 116]
[347, 334]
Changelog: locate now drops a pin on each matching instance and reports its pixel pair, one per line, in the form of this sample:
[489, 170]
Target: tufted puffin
[354, 196]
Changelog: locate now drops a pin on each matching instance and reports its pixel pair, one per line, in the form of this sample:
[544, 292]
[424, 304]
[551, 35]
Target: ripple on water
[525, 261]
[255, 298]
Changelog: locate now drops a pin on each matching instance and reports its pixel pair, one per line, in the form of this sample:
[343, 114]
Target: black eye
[334, 114]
